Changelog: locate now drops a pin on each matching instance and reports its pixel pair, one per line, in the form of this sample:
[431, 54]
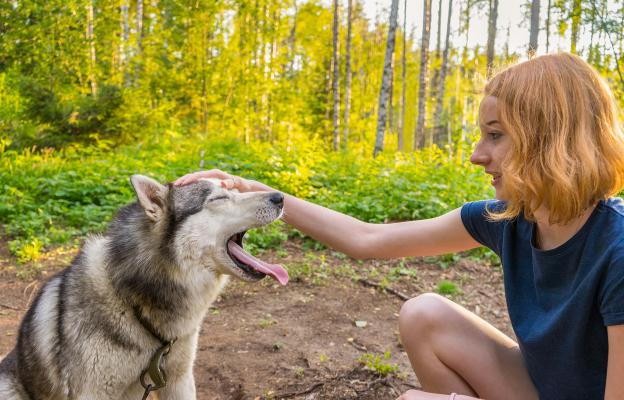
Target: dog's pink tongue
[275, 270]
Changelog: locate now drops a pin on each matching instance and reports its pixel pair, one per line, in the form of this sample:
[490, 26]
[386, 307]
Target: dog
[122, 321]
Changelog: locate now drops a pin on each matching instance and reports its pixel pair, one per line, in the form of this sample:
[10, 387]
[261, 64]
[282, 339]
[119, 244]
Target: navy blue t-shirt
[560, 301]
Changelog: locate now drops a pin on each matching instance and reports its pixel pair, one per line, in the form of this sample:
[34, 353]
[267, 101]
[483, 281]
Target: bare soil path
[301, 341]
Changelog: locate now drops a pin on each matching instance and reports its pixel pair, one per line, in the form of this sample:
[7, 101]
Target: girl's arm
[358, 239]
[615, 365]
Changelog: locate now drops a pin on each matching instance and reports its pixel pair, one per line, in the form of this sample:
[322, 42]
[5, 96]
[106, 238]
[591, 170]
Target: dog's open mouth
[250, 264]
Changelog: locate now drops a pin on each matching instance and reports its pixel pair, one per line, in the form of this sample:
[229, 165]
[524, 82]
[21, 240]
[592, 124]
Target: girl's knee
[423, 313]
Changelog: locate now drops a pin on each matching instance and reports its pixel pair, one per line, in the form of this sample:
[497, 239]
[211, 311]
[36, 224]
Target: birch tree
[493, 16]
[123, 43]
[401, 122]
[139, 38]
[534, 33]
[422, 79]
[92, 53]
[347, 105]
[576, 24]
[548, 11]
[438, 51]
[443, 71]
[385, 80]
[336, 76]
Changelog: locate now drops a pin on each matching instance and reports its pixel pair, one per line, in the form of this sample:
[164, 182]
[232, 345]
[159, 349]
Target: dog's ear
[151, 195]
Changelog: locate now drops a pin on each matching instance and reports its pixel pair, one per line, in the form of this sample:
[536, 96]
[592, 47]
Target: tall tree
[443, 71]
[493, 16]
[576, 24]
[385, 80]
[401, 122]
[535, 19]
[419, 132]
[336, 76]
[347, 105]
[548, 10]
[123, 44]
[438, 51]
[139, 38]
[92, 53]
[391, 98]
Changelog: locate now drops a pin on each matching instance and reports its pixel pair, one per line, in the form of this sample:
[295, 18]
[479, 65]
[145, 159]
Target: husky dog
[123, 319]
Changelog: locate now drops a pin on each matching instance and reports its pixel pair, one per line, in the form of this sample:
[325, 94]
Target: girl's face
[493, 145]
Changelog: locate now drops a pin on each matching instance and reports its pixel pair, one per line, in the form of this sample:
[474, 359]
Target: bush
[57, 195]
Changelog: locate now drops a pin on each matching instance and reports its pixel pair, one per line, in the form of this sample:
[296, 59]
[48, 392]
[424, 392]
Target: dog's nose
[277, 198]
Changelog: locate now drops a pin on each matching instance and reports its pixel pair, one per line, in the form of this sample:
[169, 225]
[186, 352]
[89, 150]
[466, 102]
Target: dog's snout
[277, 198]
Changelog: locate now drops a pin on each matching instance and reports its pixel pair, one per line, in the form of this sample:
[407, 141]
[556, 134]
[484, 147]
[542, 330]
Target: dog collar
[155, 371]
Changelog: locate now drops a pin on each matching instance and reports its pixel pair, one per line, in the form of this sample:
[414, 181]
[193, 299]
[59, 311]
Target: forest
[317, 98]
[276, 71]
[367, 107]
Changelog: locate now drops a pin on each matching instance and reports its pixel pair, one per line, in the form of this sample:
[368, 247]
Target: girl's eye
[495, 135]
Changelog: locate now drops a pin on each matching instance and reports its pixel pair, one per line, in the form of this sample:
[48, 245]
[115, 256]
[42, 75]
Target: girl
[551, 140]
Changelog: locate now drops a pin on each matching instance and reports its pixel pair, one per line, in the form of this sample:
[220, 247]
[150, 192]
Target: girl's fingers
[190, 178]
[227, 183]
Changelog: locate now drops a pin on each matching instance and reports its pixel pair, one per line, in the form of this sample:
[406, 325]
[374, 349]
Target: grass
[379, 363]
[51, 197]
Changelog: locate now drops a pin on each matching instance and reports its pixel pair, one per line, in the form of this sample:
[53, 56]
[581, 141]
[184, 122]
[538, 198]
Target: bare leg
[453, 350]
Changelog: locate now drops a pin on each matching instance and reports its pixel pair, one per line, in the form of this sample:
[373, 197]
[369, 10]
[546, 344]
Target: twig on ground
[311, 389]
[35, 286]
[411, 385]
[398, 294]
[10, 307]
[217, 306]
[358, 346]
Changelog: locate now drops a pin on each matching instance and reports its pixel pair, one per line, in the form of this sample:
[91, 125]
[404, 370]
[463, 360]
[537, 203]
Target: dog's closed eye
[218, 198]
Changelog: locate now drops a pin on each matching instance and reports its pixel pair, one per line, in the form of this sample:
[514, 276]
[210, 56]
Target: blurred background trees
[272, 71]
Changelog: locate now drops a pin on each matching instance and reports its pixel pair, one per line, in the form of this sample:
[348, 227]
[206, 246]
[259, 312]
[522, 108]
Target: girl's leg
[453, 350]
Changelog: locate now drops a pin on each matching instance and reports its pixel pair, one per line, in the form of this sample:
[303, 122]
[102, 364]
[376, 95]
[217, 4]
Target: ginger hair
[567, 142]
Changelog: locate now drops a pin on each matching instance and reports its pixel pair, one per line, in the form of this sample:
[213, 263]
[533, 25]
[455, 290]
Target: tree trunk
[291, 40]
[438, 51]
[443, 71]
[535, 15]
[123, 46]
[385, 80]
[92, 54]
[139, 33]
[506, 52]
[465, 27]
[336, 76]
[419, 132]
[576, 25]
[348, 74]
[400, 139]
[548, 26]
[493, 16]
[391, 98]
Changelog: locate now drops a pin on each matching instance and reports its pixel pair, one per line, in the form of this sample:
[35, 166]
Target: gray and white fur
[164, 257]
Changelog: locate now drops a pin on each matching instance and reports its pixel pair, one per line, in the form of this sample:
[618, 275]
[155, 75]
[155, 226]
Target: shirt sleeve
[474, 215]
[612, 296]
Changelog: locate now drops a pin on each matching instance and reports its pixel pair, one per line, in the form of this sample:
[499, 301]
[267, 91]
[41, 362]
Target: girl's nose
[479, 156]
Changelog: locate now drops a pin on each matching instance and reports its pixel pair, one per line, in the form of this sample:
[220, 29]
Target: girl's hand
[419, 395]
[227, 181]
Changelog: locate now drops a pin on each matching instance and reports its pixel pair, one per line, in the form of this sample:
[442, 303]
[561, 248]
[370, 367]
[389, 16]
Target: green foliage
[55, 196]
[266, 237]
[75, 119]
[447, 288]
[379, 363]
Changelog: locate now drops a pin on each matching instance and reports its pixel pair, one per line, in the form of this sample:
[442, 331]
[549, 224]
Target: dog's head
[202, 225]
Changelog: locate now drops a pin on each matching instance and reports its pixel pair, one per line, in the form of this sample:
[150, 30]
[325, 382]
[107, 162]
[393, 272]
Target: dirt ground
[308, 339]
